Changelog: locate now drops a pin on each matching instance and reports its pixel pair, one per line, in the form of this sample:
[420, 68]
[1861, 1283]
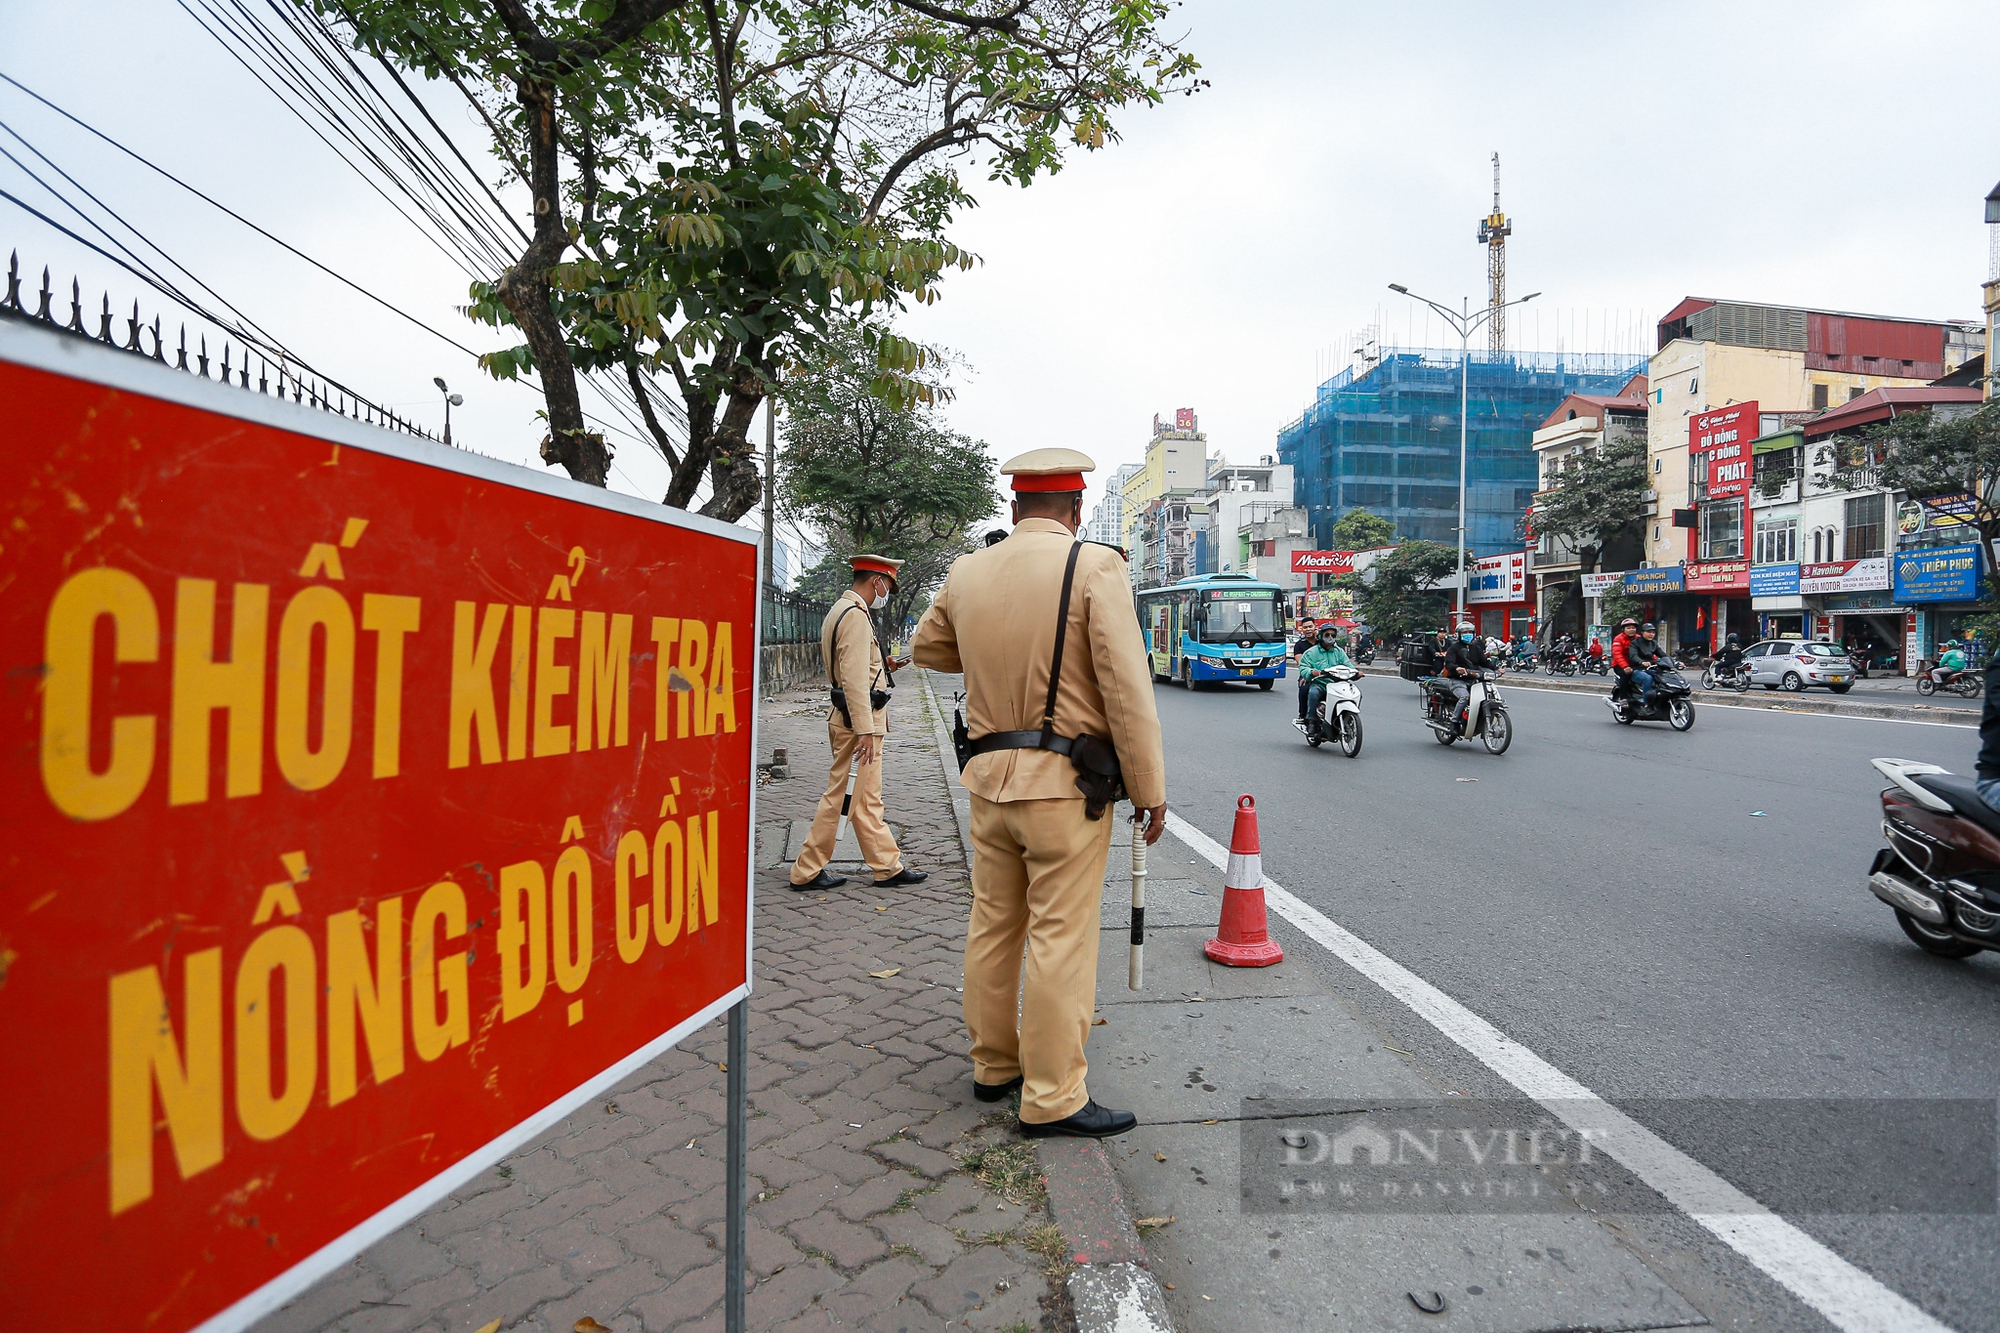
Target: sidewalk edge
[1110, 1288]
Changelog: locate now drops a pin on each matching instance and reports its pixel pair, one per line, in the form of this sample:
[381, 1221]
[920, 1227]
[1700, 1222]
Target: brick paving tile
[860, 1113]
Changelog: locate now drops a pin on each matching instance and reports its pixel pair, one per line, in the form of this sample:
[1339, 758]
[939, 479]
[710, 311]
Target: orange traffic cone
[1244, 937]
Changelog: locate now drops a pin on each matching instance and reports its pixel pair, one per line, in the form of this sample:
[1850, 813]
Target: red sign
[1184, 418]
[1725, 438]
[1719, 576]
[1322, 562]
[370, 806]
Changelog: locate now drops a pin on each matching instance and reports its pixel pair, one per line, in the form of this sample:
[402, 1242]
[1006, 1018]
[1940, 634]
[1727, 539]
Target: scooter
[1485, 713]
[1365, 651]
[1941, 869]
[1671, 700]
[1338, 717]
[1717, 676]
[1965, 682]
[1599, 665]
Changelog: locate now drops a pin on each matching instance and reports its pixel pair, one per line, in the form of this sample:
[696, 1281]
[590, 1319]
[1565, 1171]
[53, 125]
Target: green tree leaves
[1359, 530]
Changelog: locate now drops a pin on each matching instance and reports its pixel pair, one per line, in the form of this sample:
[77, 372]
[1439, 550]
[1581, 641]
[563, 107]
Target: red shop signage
[1322, 562]
[1725, 438]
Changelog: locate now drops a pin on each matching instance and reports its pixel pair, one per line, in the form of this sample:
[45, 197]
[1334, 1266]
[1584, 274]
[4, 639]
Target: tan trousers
[871, 832]
[1038, 879]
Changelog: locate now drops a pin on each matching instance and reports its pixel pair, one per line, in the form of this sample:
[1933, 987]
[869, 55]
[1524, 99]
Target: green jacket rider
[1317, 662]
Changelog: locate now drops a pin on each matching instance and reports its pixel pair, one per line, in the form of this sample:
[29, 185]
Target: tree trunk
[524, 289]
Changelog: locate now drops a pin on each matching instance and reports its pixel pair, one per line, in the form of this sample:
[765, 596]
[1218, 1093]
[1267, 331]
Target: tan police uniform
[1038, 864]
[854, 666]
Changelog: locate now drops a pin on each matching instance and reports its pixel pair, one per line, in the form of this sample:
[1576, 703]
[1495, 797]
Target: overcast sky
[1223, 257]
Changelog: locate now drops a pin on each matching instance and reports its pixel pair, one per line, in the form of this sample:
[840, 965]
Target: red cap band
[875, 567]
[1053, 481]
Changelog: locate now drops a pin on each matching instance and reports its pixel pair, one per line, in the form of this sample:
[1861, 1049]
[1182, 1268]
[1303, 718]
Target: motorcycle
[1599, 665]
[1562, 662]
[1524, 660]
[1365, 652]
[1338, 717]
[1941, 869]
[1671, 700]
[1966, 683]
[1719, 676]
[1689, 654]
[1485, 714]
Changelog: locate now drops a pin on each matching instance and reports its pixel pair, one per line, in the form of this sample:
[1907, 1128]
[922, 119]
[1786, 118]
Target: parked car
[1796, 664]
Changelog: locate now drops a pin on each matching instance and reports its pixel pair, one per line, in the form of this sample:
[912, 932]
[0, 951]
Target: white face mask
[880, 602]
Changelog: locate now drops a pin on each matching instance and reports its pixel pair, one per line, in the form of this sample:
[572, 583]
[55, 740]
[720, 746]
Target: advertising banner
[1845, 576]
[1950, 511]
[1937, 574]
[1723, 440]
[1652, 582]
[1498, 579]
[1322, 562]
[1719, 576]
[371, 805]
[1774, 580]
[1597, 585]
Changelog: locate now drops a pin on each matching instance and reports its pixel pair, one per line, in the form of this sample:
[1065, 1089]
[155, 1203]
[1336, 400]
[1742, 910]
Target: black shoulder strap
[853, 606]
[1062, 632]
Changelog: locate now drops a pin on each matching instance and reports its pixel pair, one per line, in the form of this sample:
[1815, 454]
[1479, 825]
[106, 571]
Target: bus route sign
[370, 805]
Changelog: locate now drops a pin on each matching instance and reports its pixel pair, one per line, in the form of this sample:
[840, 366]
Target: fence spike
[159, 343]
[14, 281]
[244, 382]
[76, 307]
[263, 375]
[47, 296]
[225, 363]
[132, 343]
[184, 348]
[104, 334]
[203, 358]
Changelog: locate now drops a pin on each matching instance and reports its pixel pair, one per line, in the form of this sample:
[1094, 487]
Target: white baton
[1137, 978]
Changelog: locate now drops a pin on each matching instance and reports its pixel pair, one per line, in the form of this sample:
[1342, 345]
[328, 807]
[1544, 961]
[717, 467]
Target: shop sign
[1322, 562]
[1939, 574]
[1652, 582]
[1845, 576]
[1719, 576]
[1498, 579]
[1950, 511]
[1598, 585]
[1909, 518]
[1774, 580]
[1724, 438]
[373, 807]
[1844, 603]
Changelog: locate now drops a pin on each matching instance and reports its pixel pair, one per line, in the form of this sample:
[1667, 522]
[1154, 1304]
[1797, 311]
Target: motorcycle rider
[1730, 659]
[1315, 668]
[1621, 660]
[1949, 665]
[1646, 657]
[1464, 658]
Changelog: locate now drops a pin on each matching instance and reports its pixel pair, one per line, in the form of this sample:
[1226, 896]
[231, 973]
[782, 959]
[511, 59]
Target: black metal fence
[233, 367]
[791, 618]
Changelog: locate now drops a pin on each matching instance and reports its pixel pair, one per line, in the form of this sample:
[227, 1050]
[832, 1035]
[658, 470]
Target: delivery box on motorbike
[1417, 657]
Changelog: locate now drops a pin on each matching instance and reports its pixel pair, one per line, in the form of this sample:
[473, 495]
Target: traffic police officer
[1038, 858]
[856, 729]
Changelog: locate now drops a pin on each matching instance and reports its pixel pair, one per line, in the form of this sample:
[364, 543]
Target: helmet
[1735, 639]
[1329, 630]
[1648, 625]
[1463, 627]
[1628, 621]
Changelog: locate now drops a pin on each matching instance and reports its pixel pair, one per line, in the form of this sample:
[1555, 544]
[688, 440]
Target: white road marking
[1848, 1297]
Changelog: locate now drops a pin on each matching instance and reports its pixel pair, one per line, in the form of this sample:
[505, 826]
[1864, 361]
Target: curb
[1790, 703]
[961, 800]
[1110, 1287]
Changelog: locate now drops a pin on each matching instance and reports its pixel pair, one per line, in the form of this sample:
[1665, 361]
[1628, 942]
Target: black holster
[877, 700]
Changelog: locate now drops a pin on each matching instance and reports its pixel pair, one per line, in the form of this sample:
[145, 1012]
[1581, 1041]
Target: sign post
[371, 806]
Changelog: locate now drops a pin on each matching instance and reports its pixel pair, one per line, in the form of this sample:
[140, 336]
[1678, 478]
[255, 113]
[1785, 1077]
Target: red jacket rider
[1627, 631]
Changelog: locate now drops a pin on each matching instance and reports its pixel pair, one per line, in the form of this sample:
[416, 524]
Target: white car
[1795, 664]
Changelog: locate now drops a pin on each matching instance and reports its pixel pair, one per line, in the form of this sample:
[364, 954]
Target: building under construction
[1385, 439]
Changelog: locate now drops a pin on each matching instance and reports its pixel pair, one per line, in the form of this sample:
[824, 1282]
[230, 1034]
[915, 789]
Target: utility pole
[770, 482]
[1493, 234]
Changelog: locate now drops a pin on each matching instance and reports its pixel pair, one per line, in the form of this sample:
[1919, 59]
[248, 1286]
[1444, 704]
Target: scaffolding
[1386, 440]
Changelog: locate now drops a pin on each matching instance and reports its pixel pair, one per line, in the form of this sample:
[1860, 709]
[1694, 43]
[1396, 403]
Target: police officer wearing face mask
[856, 728]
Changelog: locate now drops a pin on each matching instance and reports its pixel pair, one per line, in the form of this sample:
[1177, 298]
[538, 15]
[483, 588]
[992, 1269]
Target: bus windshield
[1241, 613]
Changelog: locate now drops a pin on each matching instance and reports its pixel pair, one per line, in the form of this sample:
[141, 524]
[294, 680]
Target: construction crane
[1493, 234]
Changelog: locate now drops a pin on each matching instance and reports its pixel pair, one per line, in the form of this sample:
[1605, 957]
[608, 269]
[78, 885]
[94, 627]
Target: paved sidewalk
[883, 1197]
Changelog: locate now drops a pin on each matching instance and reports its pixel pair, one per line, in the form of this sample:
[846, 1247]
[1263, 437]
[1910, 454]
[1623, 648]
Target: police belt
[1021, 740]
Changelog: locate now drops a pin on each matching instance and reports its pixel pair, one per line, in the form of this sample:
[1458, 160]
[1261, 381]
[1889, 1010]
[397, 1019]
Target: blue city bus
[1215, 627]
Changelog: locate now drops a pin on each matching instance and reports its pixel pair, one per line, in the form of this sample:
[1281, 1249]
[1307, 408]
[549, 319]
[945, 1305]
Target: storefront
[1500, 596]
[1775, 601]
[1941, 586]
[1717, 604]
[1851, 604]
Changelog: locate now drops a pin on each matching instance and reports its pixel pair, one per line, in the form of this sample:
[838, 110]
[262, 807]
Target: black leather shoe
[903, 876]
[1092, 1122]
[995, 1092]
[825, 879]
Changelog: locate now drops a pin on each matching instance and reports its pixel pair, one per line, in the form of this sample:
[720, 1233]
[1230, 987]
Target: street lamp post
[1466, 323]
[451, 400]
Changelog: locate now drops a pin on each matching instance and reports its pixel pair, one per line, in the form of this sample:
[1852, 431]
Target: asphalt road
[1662, 916]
